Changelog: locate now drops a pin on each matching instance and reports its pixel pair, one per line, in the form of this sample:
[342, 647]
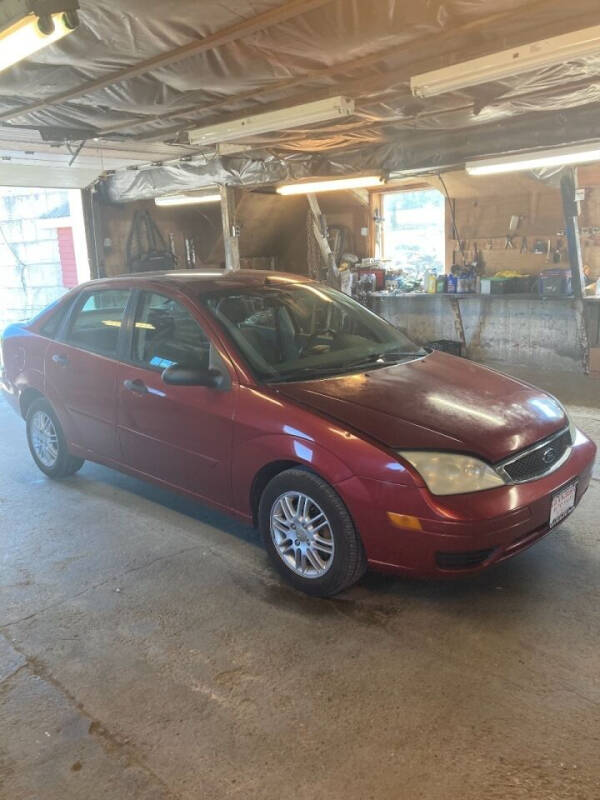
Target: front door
[81, 372]
[179, 434]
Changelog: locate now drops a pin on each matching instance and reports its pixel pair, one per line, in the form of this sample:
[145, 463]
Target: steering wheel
[309, 342]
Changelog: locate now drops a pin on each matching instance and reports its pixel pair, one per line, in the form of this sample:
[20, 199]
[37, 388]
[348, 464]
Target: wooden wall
[275, 226]
[203, 223]
[484, 219]
[590, 218]
[270, 226]
[484, 206]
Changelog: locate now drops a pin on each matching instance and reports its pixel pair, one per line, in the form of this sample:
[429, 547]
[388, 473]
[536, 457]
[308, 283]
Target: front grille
[538, 460]
[473, 558]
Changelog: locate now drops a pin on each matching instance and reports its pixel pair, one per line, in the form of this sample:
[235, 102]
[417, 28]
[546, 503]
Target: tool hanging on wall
[558, 250]
[190, 252]
[513, 226]
[146, 248]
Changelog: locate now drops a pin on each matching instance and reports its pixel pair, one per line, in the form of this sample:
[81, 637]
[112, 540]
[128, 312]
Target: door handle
[137, 386]
[59, 359]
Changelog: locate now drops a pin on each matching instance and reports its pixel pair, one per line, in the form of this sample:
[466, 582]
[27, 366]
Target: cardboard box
[595, 360]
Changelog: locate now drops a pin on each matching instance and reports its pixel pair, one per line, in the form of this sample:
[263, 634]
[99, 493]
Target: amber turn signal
[404, 521]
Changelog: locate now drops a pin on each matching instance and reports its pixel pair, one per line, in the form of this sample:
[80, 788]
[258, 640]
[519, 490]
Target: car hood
[436, 402]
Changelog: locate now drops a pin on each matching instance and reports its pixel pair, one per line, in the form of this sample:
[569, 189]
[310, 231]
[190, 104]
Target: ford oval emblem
[548, 455]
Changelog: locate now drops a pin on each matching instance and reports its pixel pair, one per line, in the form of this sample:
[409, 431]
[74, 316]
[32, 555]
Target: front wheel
[309, 534]
[47, 442]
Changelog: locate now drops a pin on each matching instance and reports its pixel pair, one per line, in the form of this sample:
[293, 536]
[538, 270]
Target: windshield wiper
[294, 374]
[383, 359]
[374, 360]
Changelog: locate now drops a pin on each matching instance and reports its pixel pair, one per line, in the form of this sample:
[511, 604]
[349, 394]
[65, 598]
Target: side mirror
[178, 375]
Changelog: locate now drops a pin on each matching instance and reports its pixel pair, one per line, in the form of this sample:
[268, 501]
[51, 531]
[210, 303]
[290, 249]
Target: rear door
[179, 434]
[81, 370]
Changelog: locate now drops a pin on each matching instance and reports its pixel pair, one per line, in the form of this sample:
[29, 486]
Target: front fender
[251, 456]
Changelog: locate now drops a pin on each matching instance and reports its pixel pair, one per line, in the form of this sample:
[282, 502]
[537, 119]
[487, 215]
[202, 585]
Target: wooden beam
[319, 229]
[231, 236]
[412, 60]
[95, 238]
[362, 195]
[568, 189]
[287, 10]
[375, 226]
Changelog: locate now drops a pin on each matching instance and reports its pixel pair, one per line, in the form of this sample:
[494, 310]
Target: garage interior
[146, 648]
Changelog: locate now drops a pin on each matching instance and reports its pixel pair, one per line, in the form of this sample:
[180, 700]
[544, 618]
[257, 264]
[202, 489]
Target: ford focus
[294, 408]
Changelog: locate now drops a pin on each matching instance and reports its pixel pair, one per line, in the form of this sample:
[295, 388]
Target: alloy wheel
[44, 439]
[302, 534]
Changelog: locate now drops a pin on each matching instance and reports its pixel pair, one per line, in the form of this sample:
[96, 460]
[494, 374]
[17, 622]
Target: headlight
[451, 473]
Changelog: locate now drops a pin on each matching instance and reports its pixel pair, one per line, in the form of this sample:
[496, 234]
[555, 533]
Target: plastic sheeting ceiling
[366, 49]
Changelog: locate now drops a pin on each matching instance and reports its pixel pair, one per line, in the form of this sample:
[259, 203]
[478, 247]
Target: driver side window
[166, 333]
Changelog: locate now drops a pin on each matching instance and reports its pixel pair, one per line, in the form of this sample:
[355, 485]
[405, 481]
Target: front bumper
[461, 534]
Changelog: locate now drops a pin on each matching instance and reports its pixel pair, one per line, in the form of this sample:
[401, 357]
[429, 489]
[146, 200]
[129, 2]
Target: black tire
[65, 463]
[348, 563]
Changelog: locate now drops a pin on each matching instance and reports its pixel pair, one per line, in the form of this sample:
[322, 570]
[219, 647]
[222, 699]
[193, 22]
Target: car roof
[198, 281]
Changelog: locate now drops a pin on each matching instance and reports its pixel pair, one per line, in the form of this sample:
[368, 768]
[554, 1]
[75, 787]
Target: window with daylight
[414, 231]
[165, 333]
[97, 324]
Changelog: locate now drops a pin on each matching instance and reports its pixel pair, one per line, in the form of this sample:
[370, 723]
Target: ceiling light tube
[556, 157]
[186, 199]
[335, 185]
[504, 64]
[293, 117]
[24, 32]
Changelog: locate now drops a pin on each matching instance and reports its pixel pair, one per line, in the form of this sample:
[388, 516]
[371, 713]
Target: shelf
[473, 295]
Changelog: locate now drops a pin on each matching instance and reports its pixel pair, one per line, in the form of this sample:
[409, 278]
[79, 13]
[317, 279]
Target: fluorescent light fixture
[26, 27]
[293, 117]
[495, 67]
[335, 185]
[556, 157]
[187, 199]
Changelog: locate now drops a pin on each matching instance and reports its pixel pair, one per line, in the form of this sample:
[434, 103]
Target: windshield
[300, 331]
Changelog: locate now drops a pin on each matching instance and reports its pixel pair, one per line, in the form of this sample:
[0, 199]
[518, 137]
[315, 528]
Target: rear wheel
[309, 534]
[47, 442]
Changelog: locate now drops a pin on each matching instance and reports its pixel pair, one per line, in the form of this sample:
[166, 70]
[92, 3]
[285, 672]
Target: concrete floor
[148, 651]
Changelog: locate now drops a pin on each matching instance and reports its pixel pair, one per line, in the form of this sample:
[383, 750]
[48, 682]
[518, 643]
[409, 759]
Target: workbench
[525, 329]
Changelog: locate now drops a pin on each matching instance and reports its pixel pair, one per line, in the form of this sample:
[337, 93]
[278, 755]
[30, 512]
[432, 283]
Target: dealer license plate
[562, 504]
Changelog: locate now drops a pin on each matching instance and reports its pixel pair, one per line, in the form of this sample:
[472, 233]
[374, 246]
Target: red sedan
[290, 405]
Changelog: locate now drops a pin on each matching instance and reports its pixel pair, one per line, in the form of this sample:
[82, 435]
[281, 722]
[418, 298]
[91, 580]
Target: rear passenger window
[97, 324]
[165, 333]
[52, 324]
